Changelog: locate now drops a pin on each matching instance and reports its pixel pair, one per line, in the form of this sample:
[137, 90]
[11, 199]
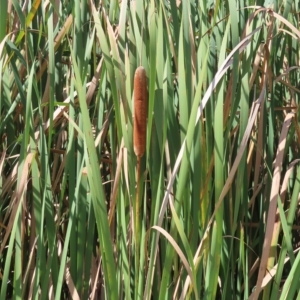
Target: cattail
[140, 111]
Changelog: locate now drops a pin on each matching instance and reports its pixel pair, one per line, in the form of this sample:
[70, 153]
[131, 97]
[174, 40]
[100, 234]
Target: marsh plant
[149, 149]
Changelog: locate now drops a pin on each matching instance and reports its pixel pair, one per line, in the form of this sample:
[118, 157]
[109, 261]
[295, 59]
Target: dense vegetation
[210, 211]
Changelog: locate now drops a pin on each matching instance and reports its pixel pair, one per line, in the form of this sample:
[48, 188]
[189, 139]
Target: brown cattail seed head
[140, 111]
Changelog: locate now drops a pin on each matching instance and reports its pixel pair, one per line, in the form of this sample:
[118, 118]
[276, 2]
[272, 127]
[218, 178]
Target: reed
[139, 143]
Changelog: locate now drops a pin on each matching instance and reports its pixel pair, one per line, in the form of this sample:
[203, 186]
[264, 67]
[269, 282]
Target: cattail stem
[137, 226]
[137, 207]
[139, 143]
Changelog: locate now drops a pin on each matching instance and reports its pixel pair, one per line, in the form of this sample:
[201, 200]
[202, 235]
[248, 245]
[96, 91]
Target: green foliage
[220, 177]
